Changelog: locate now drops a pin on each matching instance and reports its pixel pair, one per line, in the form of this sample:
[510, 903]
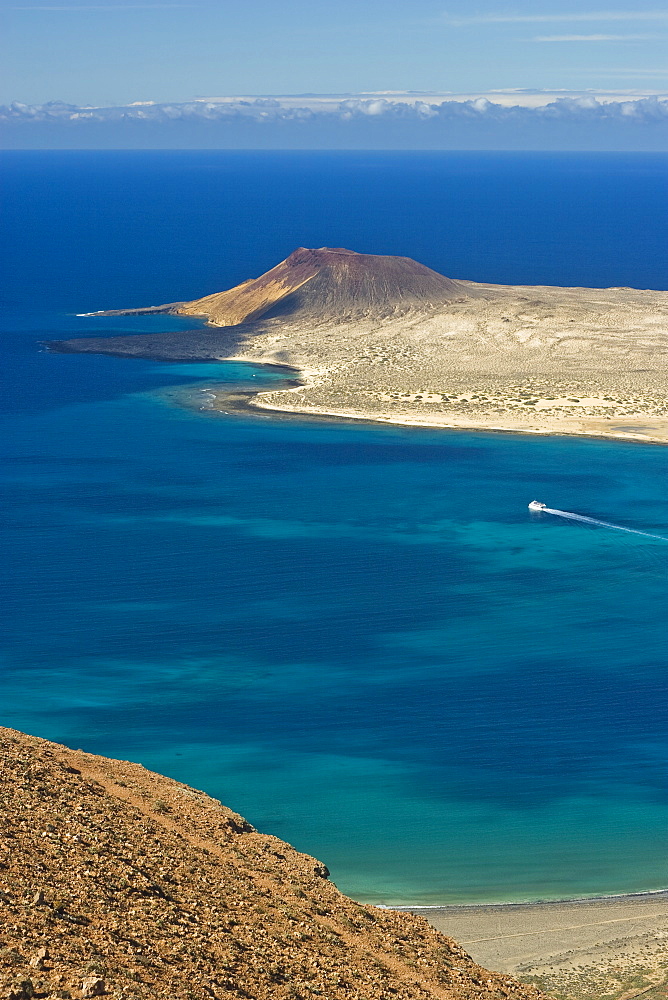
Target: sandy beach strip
[294, 402]
[640, 429]
[612, 946]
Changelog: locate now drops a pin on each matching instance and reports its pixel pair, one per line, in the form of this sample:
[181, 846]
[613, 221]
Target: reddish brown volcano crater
[336, 283]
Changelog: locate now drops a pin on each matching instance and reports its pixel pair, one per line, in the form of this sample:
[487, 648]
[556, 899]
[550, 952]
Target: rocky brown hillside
[115, 881]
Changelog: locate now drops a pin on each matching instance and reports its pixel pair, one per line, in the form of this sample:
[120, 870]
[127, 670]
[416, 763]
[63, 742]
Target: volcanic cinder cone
[327, 283]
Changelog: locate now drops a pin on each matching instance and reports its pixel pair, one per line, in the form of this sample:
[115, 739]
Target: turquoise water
[356, 636]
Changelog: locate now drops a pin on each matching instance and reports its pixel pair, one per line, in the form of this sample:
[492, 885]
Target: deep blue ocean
[356, 636]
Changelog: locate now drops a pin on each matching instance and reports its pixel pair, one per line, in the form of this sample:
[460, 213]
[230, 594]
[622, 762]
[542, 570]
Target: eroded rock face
[116, 881]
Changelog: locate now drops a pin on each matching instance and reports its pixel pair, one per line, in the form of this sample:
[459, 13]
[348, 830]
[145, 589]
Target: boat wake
[535, 505]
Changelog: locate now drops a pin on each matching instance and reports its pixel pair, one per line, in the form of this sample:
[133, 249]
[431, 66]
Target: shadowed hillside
[117, 881]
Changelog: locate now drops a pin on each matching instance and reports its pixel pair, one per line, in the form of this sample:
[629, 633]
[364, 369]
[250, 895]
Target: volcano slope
[119, 882]
[385, 338]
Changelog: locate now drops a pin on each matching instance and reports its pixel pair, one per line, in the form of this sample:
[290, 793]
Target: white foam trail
[602, 524]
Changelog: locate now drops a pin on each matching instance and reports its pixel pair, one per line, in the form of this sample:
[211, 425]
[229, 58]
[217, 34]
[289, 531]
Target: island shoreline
[386, 340]
[650, 895]
[248, 402]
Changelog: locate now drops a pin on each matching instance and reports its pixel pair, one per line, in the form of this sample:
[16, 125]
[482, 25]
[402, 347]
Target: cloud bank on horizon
[497, 120]
[452, 57]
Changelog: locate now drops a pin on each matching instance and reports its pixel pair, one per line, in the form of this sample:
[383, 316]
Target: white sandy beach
[613, 947]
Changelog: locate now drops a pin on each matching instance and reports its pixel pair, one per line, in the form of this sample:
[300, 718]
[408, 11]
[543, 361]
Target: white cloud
[594, 38]
[578, 108]
[600, 15]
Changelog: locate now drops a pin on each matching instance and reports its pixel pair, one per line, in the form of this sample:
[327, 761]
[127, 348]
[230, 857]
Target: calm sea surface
[358, 637]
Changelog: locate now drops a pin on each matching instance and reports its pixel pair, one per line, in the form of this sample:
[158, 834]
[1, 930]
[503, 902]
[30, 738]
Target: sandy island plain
[523, 359]
[609, 948]
[385, 339]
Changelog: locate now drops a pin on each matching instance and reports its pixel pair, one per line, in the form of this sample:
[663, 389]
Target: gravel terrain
[119, 882]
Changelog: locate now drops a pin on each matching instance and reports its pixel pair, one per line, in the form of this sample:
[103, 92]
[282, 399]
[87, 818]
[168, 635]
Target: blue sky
[113, 52]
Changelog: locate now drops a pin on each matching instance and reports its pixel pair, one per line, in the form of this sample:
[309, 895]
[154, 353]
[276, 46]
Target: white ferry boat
[537, 505]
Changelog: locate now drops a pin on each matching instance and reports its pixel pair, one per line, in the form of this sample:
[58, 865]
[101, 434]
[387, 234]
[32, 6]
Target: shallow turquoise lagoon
[358, 637]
